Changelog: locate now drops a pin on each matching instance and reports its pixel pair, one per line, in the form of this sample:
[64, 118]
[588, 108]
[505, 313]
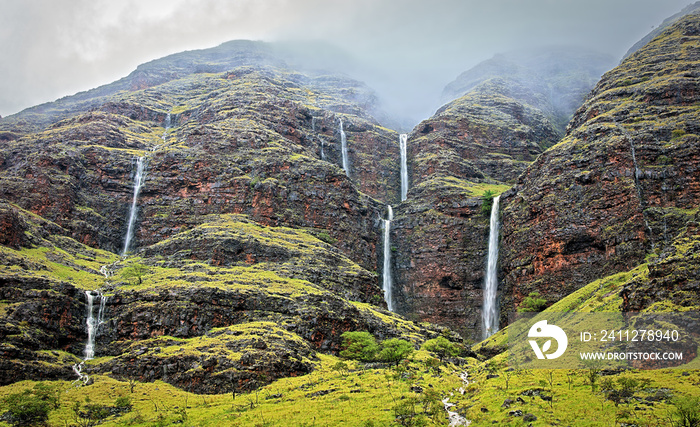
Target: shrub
[134, 271]
[677, 133]
[359, 346]
[122, 402]
[395, 350]
[442, 347]
[341, 368]
[48, 393]
[533, 303]
[26, 408]
[487, 199]
[686, 412]
[326, 238]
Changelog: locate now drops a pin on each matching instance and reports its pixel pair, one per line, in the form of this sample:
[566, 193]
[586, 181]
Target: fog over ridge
[407, 49]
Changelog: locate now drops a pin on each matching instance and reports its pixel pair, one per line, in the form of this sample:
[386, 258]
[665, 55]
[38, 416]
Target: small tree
[442, 347]
[134, 271]
[395, 350]
[359, 346]
[592, 375]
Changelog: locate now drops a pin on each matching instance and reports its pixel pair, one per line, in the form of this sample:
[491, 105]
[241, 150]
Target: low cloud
[53, 48]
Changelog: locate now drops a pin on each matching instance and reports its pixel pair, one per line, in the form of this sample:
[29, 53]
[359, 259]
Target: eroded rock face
[229, 305]
[477, 143]
[491, 133]
[245, 221]
[623, 181]
[674, 275]
[253, 147]
[441, 240]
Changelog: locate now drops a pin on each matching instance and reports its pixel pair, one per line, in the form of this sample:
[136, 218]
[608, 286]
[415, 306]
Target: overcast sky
[53, 48]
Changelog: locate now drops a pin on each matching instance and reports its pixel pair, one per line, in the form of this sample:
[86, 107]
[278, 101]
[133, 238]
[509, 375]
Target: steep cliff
[252, 248]
[621, 184]
[510, 109]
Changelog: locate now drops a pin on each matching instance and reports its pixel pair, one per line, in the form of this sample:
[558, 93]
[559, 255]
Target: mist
[407, 50]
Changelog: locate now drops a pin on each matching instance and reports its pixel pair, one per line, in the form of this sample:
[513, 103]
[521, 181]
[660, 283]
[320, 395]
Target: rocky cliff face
[478, 144]
[250, 148]
[229, 305]
[250, 239]
[254, 250]
[620, 185]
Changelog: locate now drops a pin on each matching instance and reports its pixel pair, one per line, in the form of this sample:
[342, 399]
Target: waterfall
[404, 169]
[387, 258]
[93, 323]
[344, 147]
[637, 184]
[490, 309]
[138, 183]
[78, 369]
[167, 127]
[323, 154]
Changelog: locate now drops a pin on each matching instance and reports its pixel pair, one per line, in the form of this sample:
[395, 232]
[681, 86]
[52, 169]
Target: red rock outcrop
[621, 184]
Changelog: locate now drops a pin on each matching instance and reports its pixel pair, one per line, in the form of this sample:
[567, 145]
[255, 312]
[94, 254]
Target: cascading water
[490, 309]
[387, 258]
[344, 148]
[167, 127]
[138, 183]
[403, 138]
[92, 324]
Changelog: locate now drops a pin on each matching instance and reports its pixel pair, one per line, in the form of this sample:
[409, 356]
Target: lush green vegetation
[533, 303]
[341, 397]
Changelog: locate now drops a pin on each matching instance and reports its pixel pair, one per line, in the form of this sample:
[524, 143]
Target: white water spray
[78, 369]
[490, 309]
[344, 148]
[167, 127]
[387, 258]
[138, 183]
[454, 418]
[92, 324]
[403, 138]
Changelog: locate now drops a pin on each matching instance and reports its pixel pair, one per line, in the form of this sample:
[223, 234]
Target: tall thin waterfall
[93, 323]
[138, 183]
[167, 127]
[387, 258]
[490, 309]
[344, 148]
[403, 138]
